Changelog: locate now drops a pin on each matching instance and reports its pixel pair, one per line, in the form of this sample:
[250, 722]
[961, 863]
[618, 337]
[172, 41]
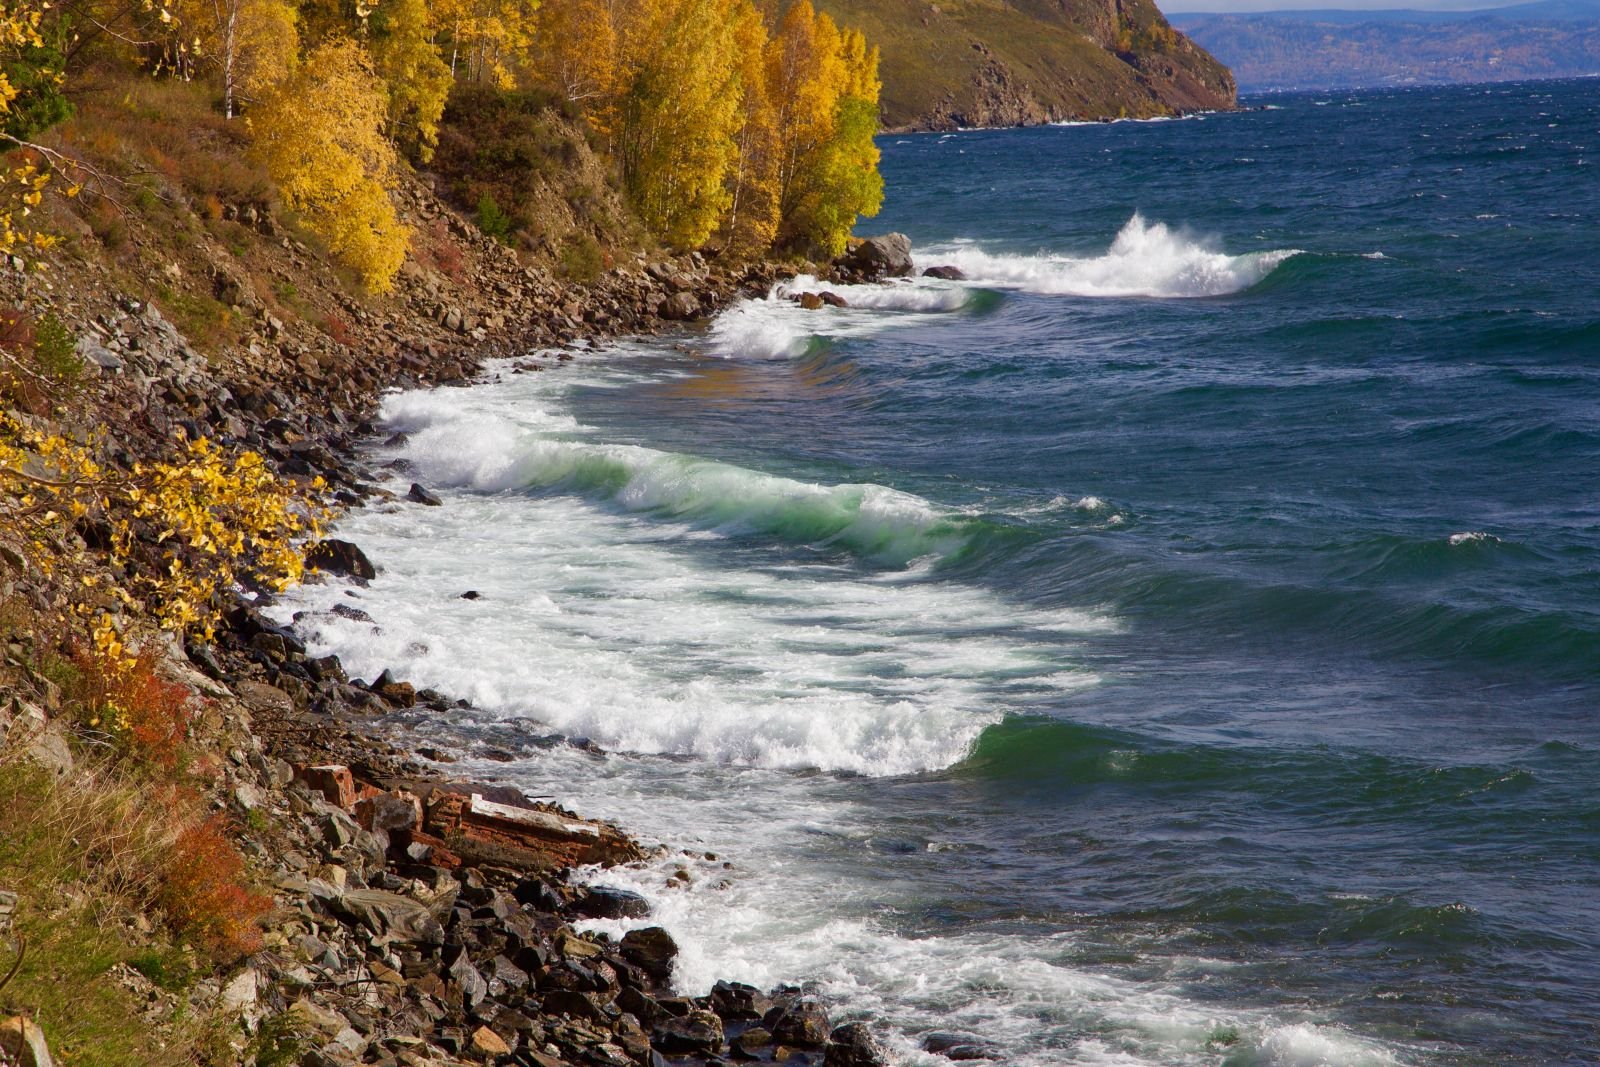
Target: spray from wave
[1145, 259]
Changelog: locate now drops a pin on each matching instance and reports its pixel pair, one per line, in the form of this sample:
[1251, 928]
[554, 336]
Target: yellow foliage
[213, 518]
[269, 45]
[403, 50]
[752, 222]
[826, 83]
[22, 186]
[720, 125]
[320, 134]
[489, 38]
[678, 113]
[575, 45]
[253, 43]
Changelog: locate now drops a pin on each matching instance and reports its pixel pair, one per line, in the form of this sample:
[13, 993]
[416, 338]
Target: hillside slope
[950, 63]
[1341, 49]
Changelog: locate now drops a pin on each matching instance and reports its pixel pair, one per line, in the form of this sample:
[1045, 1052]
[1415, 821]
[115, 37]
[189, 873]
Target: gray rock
[885, 256]
[338, 829]
[99, 355]
[852, 1045]
[601, 902]
[419, 495]
[239, 995]
[957, 1046]
[679, 307]
[393, 918]
[23, 1043]
[949, 274]
[472, 984]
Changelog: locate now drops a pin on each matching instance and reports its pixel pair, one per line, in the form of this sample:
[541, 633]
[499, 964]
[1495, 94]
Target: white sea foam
[1472, 537]
[1145, 259]
[923, 294]
[777, 327]
[452, 446]
[643, 648]
[754, 329]
[619, 627]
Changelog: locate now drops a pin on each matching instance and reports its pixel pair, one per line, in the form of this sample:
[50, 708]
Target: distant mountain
[1351, 49]
[949, 63]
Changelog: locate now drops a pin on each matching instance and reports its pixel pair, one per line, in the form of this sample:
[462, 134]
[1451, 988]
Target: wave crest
[492, 455]
[1145, 259]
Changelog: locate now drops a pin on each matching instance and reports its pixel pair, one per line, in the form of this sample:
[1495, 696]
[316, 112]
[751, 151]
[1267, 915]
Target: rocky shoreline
[418, 921]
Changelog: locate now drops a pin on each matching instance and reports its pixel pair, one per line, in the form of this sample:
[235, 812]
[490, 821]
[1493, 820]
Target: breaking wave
[1145, 259]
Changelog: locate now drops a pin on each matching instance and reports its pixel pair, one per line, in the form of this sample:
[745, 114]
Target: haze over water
[1177, 644]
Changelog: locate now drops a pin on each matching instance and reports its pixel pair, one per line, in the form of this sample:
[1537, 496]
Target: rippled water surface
[1179, 643]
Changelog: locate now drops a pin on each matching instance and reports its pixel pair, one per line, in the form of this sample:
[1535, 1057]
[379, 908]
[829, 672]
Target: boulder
[697, 1033]
[809, 301]
[652, 950]
[601, 902]
[419, 495]
[333, 780]
[735, 1000]
[679, 307]
[507, 834]
[395, 693]
[398, 810]
[804, 1025]
[485, 1042]
[885, 256]
[852, 1045]
[391, 917]
[340, 557]
[949, 274]
[833, 300]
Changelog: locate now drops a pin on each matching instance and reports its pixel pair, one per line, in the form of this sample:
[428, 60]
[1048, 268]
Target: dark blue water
[1221, 682]
[1349, 514]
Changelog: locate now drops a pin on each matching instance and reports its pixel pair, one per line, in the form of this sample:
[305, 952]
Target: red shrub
[203, 893]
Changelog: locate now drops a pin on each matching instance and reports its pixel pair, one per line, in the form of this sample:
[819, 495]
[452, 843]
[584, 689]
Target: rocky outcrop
[885, 256]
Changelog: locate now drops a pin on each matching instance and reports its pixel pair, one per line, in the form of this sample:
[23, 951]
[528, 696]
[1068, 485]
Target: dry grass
[81, 853]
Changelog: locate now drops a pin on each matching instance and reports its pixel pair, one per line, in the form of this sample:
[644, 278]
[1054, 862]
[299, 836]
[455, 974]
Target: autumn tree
[22, 184]
[488, 39]
[825, 85]
[753, 210]
[320, 134]
[402, 34]
[252, 43]
[575, 48]
[677, 114]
